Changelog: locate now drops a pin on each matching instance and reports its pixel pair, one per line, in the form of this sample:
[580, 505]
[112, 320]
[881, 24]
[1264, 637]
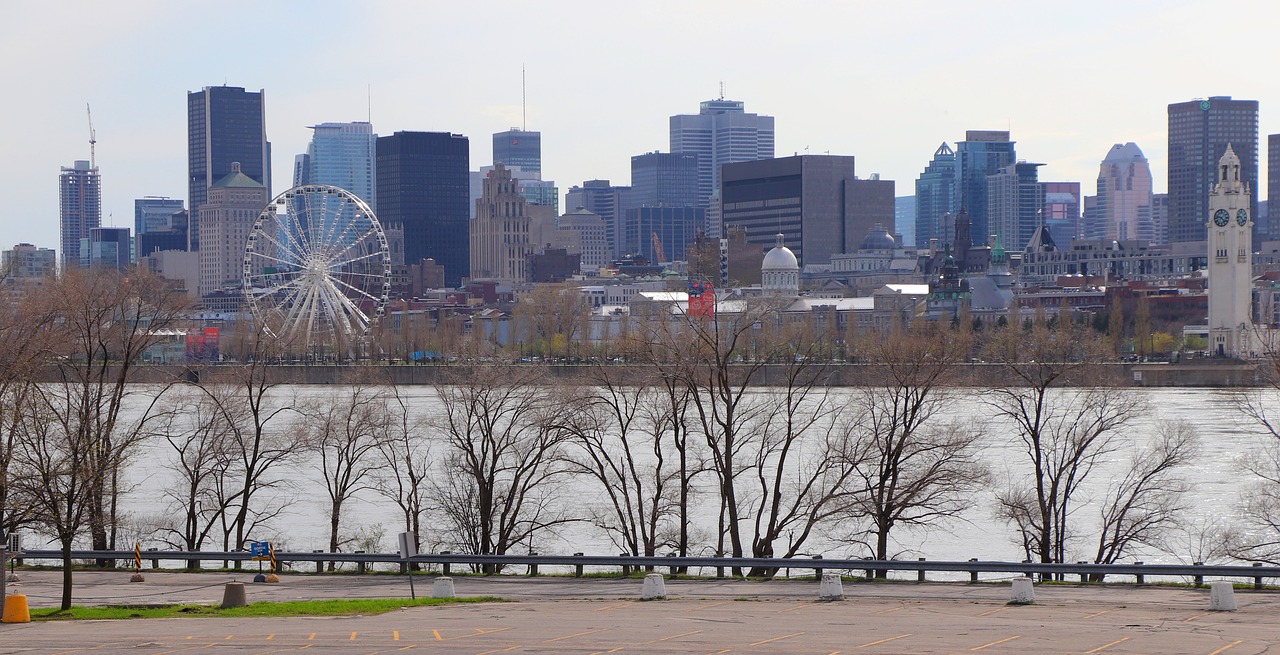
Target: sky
[884, 81]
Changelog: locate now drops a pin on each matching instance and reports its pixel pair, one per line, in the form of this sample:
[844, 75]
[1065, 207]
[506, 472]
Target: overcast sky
[884, 81]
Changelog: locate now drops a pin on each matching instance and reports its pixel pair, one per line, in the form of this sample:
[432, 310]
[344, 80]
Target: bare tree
[1065, 432]
[344, 429]
[504, 456]
[915, 466]
[1146, 502]
[405, 452]
[1256, 537]
[23, 329]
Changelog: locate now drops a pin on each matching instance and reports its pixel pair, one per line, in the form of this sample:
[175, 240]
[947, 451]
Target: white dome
[780, 259]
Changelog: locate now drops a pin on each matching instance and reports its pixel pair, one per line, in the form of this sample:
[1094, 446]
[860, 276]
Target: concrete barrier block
[1222, 597]
[15, 609]
[655, 588]
[442, 587]
[831, 587]
[1023, 591]
[233, 595]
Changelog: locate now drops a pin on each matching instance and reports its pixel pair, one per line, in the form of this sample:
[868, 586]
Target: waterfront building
[422, 186]
[1199, 132]
[1229, 226]
[983, 153]
[341, 155]
[224, 124]
[722, 132]
[935, 197]
[79, 208]
[227, 215]
[815, 201]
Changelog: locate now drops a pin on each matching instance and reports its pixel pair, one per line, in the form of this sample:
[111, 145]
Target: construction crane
[658, 252]
[93, 138]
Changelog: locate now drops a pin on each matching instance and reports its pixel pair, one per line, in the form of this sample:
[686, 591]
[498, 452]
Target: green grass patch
[332, 607]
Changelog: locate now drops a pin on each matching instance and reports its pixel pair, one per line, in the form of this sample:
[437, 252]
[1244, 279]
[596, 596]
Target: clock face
[1222, 217]
[1204, 104]
[1242, 217]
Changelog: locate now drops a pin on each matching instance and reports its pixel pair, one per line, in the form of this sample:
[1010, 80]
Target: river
[1216, 482]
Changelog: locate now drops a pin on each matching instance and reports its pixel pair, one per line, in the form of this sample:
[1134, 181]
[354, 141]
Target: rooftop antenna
[368, 101]
[524, 102]
[93, 138]
[722, 89]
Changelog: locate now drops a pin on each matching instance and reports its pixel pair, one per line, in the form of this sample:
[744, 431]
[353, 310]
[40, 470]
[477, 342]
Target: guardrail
[627, 564]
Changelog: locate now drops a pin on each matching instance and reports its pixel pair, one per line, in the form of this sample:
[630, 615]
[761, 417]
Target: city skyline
[877, 82]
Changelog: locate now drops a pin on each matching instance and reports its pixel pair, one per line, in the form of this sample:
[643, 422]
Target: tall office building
[1061, 212]
[80, 208]
[226, 218]
[664, 179]
[1273, 187]
[504, 231]
[224, 124]
[1199, 133]
[1124, 195]
[936, 196]
[904, 218]
[722, 132]
[1015, 204]
[815, 201]
[609, 202]
[423, 187]
[517, 147]
[341, 155]
[107, 246]
[27, 264]
[154, 214]
[982, 153]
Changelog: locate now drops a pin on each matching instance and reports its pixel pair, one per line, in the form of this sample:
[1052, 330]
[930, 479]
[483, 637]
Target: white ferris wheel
[317, 269]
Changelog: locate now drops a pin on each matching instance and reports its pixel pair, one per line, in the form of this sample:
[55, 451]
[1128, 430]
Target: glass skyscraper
[225, 124]
[342, 155]
[935, 196]
[423, 186]
[521, 148]
[1199, 132]
[154, 213]
[79, 209]
[982, 153]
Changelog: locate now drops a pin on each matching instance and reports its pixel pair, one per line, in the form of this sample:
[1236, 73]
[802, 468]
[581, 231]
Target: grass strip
[331, 607]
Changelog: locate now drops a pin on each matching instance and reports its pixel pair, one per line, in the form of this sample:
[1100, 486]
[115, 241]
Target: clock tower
[1230, 261]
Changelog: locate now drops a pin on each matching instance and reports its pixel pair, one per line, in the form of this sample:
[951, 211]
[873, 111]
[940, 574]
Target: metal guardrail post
[444, 567]
[1257, 580]
[360, 567]
[920, 573]
[319, 563]
[626, 570]
[577, 568]
[973, 573]
[1199, 578]
[720, 567]
[817, 570]
[1084, 577]
[674, 568]
[533, 566]
[1141, 579]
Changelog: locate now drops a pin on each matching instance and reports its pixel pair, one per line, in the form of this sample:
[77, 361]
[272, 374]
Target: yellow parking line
[500, 650]
[610, 607]
[1230, 645]
[270, 637]
[766, 641]
[884, 640]
[589, 632]
[353, 637]
[710, 605]
[395, 635]
[1090, 616]
[478, 633]
[797, 607]
[312, 637]
[892, 609]
[437, 634]
[996, 642]
[994, 611]
[1193, 617]
[1099, 648]
[682, 634]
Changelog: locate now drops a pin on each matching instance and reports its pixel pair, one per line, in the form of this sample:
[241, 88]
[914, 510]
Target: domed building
[780, 271]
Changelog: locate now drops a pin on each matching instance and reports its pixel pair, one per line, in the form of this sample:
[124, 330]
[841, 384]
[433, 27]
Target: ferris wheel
[317, 269]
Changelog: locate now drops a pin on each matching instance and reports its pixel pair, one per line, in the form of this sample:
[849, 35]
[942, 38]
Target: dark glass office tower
[936, 196]
[1199, 132]
[664, 179]
[225, 124]
[423, 184]
[982, 153]
[521, 148]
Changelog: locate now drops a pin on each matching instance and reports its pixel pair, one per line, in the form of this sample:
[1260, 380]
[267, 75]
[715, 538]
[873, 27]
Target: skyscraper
[1273, 187]
[107, 246]
[664, 179]
[154, 213]
[502, 233]
[423, 186]
[224, 124]
[341, 155]
[935, 196]
[1124, 195]
[981, 154]
[722, 132]
[517, 147]
[226, 218]
[80, 208]
[1015, 203]
[607, 201]
[1199, 132]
